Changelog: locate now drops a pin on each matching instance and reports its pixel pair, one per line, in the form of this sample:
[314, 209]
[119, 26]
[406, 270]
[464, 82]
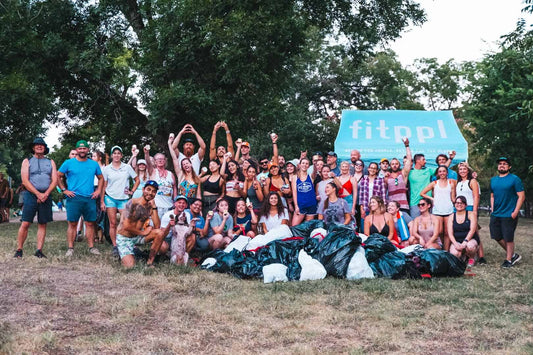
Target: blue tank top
[40, 172]
[306, 192]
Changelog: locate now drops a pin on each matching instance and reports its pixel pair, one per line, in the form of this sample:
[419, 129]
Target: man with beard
[331, 160]
[80, 172]
[39, 176]
[506, 197]
[355, 155]
[218, 152]
[397, 180]
[134, 227]
[188, 148]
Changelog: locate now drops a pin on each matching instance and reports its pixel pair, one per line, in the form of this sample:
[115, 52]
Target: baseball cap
[114, 148]
[384, 159]
[245, 144]
[504, 159]
[82, 144]
[141, 161]
[332, 154]
[181, 197]
[152, 183]
[294, 162]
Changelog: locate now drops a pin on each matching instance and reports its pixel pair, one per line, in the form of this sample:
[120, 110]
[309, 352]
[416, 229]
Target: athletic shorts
[310, 210]
[125, 245]
[115, 203]
[78, 206]
[503, 228]
[31, 207]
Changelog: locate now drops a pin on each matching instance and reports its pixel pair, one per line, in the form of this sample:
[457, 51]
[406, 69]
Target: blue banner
[378, 134]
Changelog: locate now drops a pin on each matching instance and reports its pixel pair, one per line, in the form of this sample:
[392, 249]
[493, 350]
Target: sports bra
[212, 187]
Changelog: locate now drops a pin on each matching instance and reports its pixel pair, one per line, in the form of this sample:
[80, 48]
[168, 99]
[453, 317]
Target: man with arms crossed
[80, 172]
[506, 197]
[134, 229]
[39, 176]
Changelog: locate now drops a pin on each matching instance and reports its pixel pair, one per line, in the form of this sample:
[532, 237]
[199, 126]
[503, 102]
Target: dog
[178, 250]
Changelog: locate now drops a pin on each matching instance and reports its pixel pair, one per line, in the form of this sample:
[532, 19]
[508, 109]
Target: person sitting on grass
[334, 209]
[462, 232]
[134, 229]
[426, 227]
[220, 224]
[272, 213]
[380, 221]
[245, 219]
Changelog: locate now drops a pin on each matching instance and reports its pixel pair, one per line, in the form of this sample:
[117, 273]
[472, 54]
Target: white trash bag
[274, 273]
[281, 232]
[312, 269]
[209, 263]
[319, 233]
[358, 267]
[240, 243]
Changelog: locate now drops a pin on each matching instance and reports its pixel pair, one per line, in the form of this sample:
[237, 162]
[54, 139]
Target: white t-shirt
[165, 220]
[118, 180]
[195, 161]
[272, 222]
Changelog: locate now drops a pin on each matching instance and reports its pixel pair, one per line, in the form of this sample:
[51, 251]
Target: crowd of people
[238, 193]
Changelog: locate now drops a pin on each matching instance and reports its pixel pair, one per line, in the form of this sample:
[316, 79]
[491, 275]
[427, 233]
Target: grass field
[90, 304]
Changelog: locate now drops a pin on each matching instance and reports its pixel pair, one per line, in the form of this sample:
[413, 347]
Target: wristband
[227, 131]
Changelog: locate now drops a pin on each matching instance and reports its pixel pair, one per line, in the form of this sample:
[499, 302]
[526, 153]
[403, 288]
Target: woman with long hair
[234, 182]
[245, 219]
[426, 227]
[370, 185]
[272, 213]
[212, 186]
[333, 209]
[402, 221]
[303, 193]
[443, 194]
[380, 221]
[349, 186]
[220, 225]
[254, 192]
[462, 233]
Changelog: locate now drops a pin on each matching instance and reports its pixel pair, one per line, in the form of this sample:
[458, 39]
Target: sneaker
[18, 253]
[507, 264]
[39, 254]
[482, 261]
[471, 262]
[516, 258]
[69, 252]
[115, 252]
[94, 251]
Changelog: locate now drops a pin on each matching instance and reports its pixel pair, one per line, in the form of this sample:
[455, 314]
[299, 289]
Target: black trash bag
[440, 263]
[390, 265]
[304, 229]
[311, 247]
[413, 269]
[250, 268]
[337, 249]
[283, 252]
[377, 245]
[225, 261]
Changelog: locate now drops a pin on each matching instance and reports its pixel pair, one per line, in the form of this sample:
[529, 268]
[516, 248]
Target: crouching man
[134, 227]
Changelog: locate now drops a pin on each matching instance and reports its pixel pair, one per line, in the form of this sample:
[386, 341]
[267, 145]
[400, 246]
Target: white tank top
[463, 189]
[442, 199]
[163, 198]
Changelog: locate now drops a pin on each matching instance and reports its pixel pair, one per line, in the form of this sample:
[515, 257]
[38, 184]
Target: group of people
[240, 194]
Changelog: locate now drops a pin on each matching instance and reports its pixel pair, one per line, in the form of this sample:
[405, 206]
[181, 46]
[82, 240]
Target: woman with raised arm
[426, 227]
[443, 194]
[275, 181]
[218, 152]
[272, 213]
[303, 193]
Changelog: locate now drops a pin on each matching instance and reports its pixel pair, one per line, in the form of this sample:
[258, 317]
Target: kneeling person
[134, 229]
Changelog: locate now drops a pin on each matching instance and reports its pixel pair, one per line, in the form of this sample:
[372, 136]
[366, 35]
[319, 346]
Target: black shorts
[32, 207]
[503, 228]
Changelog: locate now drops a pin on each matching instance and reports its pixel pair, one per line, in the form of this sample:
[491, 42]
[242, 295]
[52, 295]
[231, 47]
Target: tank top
[306, 192]
[40, 171]
[442, 200]
[426, 234]
[348, 187]
[252, 195]
[212, 187]
[463, 189]
[397, 189]
[460, 230]
[384, 231]
[187, 189]
[163, 198]
[231, 185]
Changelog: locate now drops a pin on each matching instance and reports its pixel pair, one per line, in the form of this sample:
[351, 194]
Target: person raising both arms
[188, 147]
[218, 152]
[189, 184]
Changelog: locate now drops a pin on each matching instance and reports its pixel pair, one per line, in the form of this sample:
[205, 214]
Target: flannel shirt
[365, 195]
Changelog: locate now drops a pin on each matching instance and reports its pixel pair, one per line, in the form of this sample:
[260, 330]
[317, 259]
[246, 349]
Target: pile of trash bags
[310, 252]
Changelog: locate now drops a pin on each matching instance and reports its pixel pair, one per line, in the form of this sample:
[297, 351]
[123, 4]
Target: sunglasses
[422, 204]
[358, 164]
[264, 162]
[152, 183]
[459, 203]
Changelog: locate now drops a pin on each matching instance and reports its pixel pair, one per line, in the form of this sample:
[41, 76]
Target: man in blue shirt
[506, 197]
[81, 195]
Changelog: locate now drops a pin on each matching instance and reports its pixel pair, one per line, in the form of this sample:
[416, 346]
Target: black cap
[40, 141]
[333, 154]
[152, 183]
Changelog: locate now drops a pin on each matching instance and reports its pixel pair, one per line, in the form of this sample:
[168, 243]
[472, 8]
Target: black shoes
[18, 253]
[39, 254]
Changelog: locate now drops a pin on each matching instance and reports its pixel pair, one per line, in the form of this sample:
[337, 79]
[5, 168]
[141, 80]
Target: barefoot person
[81, 196]
[506, 197]
[134, 229]
[39, 176]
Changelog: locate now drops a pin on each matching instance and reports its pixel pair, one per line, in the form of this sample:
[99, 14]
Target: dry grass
[89, 304]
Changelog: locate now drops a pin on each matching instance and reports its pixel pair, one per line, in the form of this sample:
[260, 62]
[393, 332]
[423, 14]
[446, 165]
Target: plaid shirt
[365, 195]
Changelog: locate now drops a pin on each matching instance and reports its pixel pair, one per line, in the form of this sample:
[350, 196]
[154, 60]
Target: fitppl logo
[422, 132]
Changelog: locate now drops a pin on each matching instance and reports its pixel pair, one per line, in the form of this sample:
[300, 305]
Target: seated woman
[402, 221]
[426, 227]
[220, 224]
[272, 213]
[212, 187]
[379, 221]
[333, 209]
[245, 219]
[462, 227]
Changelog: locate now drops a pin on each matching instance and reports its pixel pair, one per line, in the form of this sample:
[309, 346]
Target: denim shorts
[310, 210]
[31, 207]
[78, 206]
[111, 202]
